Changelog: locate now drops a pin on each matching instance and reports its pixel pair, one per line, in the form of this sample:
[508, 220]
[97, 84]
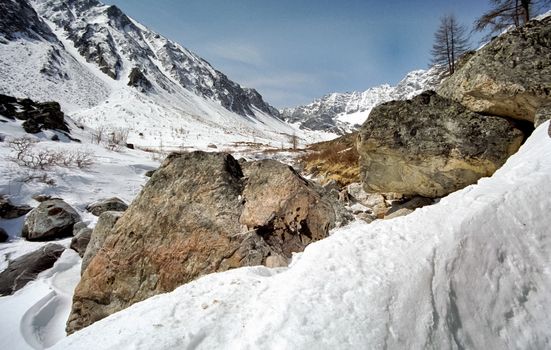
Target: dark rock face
[138, 80]
[52, 219]
[4, 237]
[109, 204]
[25, 269]
[37, 116]
[431, 146]
[199, 213]
[510, 76]
[10, 211]
[20, 19]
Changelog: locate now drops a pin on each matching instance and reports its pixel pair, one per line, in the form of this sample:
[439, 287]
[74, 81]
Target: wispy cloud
[237, 52]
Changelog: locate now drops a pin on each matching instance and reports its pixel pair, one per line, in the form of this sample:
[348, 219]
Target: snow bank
[469, 272]
[34, 317]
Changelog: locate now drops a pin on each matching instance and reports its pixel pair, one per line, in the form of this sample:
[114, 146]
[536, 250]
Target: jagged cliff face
[344, 112]
[108, 38]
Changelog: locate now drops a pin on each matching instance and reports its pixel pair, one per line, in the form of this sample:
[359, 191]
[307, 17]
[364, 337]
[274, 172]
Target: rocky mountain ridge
[107, 37]
[108, 71]
[344, 112]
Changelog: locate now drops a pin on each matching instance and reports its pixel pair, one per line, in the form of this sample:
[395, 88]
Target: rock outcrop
[36, 116]
[109, 204]
[431, 146]
[200, 213]
[52, 219]
[510, 76]
[25, 268]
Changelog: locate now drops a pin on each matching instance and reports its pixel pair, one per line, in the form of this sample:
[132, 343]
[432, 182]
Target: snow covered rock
[25, 268]
[510, 76]
[108, 204]
[52, 219]
[431, 146]
[199, 213]
[103, 228]
[36, 116]
[111, 40]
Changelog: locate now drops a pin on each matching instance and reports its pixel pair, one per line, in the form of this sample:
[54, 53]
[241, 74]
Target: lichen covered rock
[510, 76]
[431, 146]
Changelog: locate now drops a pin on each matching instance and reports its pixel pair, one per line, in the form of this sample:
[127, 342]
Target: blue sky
[293, 51]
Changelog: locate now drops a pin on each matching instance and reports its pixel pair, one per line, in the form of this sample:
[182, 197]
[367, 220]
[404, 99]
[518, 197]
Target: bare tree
[506, 13]
[450, 42]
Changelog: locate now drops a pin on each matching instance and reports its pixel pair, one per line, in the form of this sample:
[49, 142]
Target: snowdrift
[469, 272]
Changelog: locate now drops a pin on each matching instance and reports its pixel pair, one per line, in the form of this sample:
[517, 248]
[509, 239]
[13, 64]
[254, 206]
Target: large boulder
[105, 223]
[200, 213]
[25, 268]
[52, 219]
[287, 210]
[108, 204]
[510, 76]
[431, 146]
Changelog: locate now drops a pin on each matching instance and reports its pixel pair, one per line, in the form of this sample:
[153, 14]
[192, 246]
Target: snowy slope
[343, 112]
[107, 70]
[471, 272]
[35, 316]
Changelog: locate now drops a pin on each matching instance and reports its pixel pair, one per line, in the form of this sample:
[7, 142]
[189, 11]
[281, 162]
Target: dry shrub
[333, 160]
[28, 155]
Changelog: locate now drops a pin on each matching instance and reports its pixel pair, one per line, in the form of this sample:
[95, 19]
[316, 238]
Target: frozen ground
[469, 272]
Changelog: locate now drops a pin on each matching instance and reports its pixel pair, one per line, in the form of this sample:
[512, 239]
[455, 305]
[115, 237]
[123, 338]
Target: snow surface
[35, 316]
[469, 272]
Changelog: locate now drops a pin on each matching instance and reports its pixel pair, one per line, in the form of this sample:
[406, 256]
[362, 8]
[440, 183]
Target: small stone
[109, 204]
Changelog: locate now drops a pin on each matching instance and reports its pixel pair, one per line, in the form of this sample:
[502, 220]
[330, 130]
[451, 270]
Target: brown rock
[105, 223]
[190, 220]
[284, 208]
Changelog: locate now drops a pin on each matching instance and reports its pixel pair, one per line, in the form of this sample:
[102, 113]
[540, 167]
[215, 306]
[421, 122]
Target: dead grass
[333, 160]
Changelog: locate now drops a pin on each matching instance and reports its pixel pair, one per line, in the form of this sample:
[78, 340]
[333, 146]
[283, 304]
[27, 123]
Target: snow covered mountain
[107, 69]
[343, 112]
